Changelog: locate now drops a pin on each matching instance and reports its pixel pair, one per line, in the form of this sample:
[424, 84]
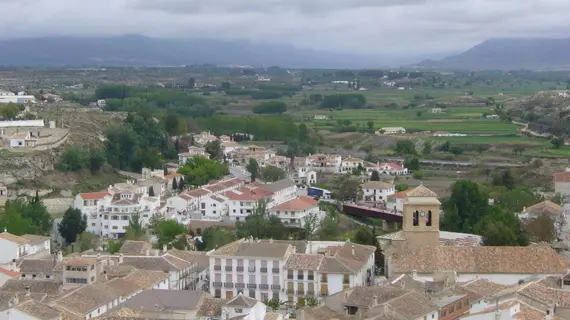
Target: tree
[96, 160]
[165, 170]
[167, 230]
[303, 134]
[261, 226]
[541, 229]
[370, 125]
[419, 114]
[272, 174]
[226, 86]
[501, 228]
[151, 192]
[135, 230]
[72, 224]
[274, 304]
[412, 164]
[181, 185]
[349, 190]
[214, 148]
[364, 236]
[215, 237]
[456, 150]
[329, 229]
[557, 143]
[191, 83]
[310, 225]
[253, 168]
[405, 147]
[401, 187]
[375, 176]
[174, 184]
[311, 302]
[86, 241]
[174, 125]
[558, 198]
[270, 107]
[198, 171]
[465, 207]
[73, 159]
[427, 147]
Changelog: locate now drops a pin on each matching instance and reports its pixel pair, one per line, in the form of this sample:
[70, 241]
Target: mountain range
[136, 50]
[509, 54]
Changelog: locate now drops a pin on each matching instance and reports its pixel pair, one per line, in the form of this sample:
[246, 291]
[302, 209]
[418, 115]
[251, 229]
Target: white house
[392, 168]
[303, 175]
[20, 247]
[391, 130]
[7, 274]
[350, 163]
[108, 213]
[396, 201]
[204, 137]
[376, 191]
[324, 162]
[294, 212]
[192, 152]
[21, 97]
[243, 307]
[288, 270]
[435, 110]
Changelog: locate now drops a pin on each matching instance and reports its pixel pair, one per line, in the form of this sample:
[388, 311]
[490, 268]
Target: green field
[454, 119]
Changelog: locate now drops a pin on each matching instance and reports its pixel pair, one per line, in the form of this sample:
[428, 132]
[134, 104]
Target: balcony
[290, 291]
[217, 268]
[300, 277]
[275, 270]
[251, 285]
[228, 268]
[251, 269]
[217, 284]
[228, 284]
[263, 286]
[311, 293]
[263, 270]
[240, 285]
[310, 278]
[276, 287]
[239, 269]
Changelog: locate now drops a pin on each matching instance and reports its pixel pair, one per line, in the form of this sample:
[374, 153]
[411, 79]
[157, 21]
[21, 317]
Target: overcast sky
[367, 26]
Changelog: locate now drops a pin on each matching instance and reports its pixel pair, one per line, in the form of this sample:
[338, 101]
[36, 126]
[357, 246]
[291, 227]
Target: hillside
[144, 51]
[508, 54]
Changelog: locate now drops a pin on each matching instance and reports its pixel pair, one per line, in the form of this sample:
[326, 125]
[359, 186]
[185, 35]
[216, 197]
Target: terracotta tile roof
[38, 310]
[399, 195]
[377, 185]
[114, 271]
[35, 239]
[562, 176]
[300, 261]
[94, 195]
[210, 308]
[480, 259]
[298, 204]
[482, 288]
[241, 301]
[364, 296]
[10, 273]
[79, 261]
[413, 305]
[529, 313]
[13, 238]
[135, 247]
[278, 185]
[159, 263]
[545, 207]
[196, 193]
[200, 258]
[173, 175]
[421, 191]
[253, 248]
[246, 194]
[8, 297]
[322, 313]
[37, 265]
[85, 299]
[36, 286]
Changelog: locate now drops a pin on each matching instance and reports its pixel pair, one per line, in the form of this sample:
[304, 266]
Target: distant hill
[140, 50]
[505, 54]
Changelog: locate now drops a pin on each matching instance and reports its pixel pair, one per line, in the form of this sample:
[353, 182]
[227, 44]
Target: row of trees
[75, 159]
[468, 210]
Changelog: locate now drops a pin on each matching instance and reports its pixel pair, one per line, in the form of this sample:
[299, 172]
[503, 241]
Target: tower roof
[421, 191]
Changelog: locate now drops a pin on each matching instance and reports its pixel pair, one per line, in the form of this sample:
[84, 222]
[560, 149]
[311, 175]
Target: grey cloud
[268, 6]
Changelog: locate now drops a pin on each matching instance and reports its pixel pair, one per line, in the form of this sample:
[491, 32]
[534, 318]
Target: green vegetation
[75, 159]
[72, 225]
[198, 171]
[20, 217]
[270, 107]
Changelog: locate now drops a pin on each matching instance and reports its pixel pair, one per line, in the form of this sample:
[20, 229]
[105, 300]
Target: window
[252, 294]
[106, 217]
[451, 309]
[238, 310]
[428, 222]
[218, 293]
[289, 274]
[324, 278]
[24, 275]
[465, 303]
[458, 305]
[300, 275]
[125, 218]
[346, 279]
[106, 227]
[92, 267]
[76, 280]
[114, 217]
[93, 224]
[443, 313]
[47, 276]
[416, 218]
[115, 227]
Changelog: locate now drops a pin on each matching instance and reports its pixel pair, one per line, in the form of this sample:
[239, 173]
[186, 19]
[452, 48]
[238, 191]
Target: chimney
[375, 300]
[15, 300]
[13, 266]
[147, 252]
[120, 259]
[414, 274]
[164, 248]
[28, 291]
[353, 250]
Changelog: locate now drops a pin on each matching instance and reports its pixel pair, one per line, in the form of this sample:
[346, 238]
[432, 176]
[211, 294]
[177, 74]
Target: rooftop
[161, 300]
[135, 247]
[210, 308]
[94, 195]
[35, 239]
[377, 185]
[480, 259]
[38, 310]
[298, 204]
[13, 238]
[278, 185]
[242, 301]
[253, 248]
[545, 207]
[421, 191]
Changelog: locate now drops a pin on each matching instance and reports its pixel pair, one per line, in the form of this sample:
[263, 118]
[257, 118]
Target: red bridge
[371, 212]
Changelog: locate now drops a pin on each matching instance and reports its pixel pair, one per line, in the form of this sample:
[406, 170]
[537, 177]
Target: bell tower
[421, 218]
